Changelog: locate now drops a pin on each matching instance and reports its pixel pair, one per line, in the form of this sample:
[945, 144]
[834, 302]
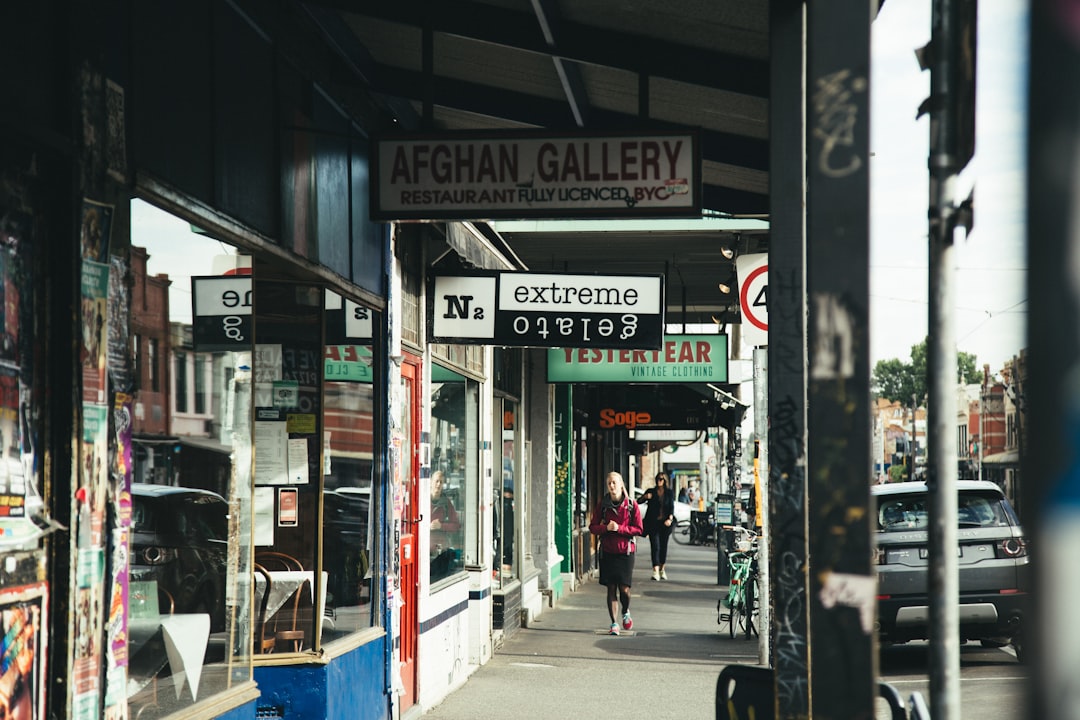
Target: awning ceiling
[591, 64]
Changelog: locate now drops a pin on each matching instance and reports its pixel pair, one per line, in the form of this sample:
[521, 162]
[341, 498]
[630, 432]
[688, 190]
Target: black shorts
[617, 569]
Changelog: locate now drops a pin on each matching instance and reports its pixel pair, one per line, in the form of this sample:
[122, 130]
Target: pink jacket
[627, 515]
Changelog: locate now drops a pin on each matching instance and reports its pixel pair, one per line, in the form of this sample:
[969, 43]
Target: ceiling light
[724, 288]
[727, 252]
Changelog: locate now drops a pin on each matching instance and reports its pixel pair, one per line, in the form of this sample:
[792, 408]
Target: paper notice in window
[298, 461]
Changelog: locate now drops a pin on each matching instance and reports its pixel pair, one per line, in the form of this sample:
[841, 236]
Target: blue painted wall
[350, 686]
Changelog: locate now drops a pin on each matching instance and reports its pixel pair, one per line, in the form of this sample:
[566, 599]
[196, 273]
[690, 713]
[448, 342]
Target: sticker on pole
[753, 275]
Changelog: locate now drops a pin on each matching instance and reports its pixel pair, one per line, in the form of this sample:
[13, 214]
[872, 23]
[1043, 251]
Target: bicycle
[698, 530]
[742, 595]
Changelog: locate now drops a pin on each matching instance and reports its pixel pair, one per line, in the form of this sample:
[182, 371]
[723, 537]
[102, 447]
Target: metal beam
[569, 72]
[538, 111]
[580, 43]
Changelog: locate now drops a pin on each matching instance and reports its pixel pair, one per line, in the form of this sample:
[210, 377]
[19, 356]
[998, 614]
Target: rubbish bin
[725, 505]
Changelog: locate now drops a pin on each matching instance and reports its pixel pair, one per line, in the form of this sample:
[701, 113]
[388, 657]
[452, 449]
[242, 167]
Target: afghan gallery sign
[523, 174]
[517, 309]
[681, 359]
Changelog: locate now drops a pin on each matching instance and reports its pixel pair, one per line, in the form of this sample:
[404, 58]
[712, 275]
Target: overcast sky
[991, 313]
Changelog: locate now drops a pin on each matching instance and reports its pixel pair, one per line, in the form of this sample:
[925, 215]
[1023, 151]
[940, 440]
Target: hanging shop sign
[221, 313]
[547, 310]
[528, 174]
[681, 359]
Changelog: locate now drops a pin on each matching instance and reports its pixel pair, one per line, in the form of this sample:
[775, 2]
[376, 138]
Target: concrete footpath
[565, 663]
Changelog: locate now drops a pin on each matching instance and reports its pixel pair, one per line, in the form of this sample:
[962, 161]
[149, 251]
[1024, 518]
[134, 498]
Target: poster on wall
[23, 624]
[20, 497]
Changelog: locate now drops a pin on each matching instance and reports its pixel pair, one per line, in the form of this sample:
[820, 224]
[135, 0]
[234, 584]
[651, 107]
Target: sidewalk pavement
[565, 663]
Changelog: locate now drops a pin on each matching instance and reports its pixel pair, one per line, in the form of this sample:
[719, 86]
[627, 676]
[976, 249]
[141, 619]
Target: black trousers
[658, 540]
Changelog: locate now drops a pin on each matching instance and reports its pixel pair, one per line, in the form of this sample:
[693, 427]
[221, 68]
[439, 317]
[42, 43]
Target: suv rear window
[900, 513]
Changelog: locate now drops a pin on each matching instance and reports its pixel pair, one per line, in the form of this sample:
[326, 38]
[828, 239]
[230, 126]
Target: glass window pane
[454, 477]
[190, 582]
[349, 500]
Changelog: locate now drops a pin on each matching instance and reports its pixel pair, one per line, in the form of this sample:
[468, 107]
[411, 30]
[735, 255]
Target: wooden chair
[293, 632]
[263, 642]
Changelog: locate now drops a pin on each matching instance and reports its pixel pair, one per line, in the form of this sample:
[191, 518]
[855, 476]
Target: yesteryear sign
[681, 359]
[547, 310]
[529, 174]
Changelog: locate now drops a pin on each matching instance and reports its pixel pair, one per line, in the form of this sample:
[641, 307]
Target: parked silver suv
[994, 574]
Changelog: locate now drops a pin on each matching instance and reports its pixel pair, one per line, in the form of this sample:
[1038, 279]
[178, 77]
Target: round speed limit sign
[754, 297]
[753, 273]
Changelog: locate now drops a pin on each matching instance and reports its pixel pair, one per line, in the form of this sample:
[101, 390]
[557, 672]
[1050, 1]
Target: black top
[660, 508]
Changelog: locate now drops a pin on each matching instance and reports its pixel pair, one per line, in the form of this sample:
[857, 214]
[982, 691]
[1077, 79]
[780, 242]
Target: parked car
[345, 544]
[180, 541]
[994, 573]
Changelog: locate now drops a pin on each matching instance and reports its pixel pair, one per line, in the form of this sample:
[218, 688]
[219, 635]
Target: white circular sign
[754, 297]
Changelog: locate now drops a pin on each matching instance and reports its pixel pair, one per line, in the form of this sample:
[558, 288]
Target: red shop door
[410, 469]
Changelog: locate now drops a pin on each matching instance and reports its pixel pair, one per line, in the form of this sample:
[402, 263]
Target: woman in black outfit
[659, 518]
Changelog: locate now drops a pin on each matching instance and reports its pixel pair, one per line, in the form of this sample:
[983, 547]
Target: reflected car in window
[179, 539]
[994, 574]
[345, 550]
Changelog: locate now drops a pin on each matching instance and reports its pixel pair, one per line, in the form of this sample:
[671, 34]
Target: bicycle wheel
[681, 532]
[750, 590]
[695, 534]
[734, 616]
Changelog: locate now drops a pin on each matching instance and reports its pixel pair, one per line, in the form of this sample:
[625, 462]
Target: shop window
[453, 539]
[151, 365]
[506, 488]
[189, 599]
[200, 384]
[180, 373]
[350, 502]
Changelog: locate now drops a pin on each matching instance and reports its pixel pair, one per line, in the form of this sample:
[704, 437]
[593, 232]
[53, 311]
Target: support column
[842, 585]
[787, 358]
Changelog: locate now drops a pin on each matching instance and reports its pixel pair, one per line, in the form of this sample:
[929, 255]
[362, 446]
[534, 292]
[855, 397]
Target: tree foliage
[898, 380]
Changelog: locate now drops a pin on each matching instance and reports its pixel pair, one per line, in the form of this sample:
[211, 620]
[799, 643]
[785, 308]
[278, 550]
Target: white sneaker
[655, 575]
[663, 574]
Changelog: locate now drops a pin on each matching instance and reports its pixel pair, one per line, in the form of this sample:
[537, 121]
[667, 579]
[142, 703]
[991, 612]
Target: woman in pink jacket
[617, 520]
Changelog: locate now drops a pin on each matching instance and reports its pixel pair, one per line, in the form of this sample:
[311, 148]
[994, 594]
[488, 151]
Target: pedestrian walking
[617, 520]
[659, 519]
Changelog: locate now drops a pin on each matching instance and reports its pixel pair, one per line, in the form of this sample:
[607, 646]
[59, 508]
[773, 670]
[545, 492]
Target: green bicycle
[740, 602]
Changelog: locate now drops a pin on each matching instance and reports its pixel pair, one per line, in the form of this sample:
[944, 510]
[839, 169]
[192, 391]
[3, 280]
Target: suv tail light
[1010, 548]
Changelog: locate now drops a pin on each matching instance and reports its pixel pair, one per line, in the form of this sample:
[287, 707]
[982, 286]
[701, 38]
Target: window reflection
[348, 502]
[189, 580]
[453, 473]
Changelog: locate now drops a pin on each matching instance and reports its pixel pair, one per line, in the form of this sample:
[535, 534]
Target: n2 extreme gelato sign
[681, 359]
[520, 174]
